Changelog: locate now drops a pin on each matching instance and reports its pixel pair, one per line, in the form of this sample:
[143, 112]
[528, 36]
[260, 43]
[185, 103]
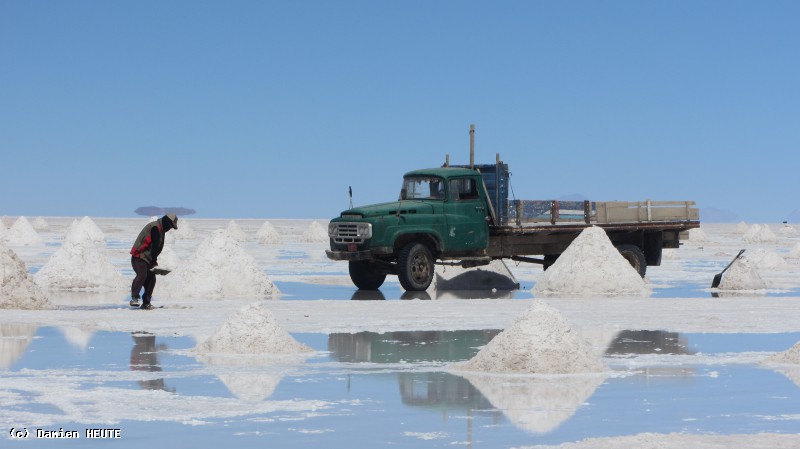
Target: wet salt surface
[392, 389]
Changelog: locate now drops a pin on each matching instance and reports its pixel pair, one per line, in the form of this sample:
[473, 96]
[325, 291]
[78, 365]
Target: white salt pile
[591, 266]
[790, 356]
[219, 268]
[253, 329]
[23, 234]
[762, 259]
[168, 259]
[17, 288]
[184, 231]
[742, 228]
[85, 227]
[795, 252]
[787, 230]
[741, 276]
[697, 235]
[315, 234]
[760, 234]
[79, 265]
[40, 224]
[235, 232]
[538, 342]
[268, 235]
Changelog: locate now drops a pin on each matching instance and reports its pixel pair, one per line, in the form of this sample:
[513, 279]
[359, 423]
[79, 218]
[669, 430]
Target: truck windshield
[422, 188]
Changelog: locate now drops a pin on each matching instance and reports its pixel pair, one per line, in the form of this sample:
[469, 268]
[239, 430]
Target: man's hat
[174, 219]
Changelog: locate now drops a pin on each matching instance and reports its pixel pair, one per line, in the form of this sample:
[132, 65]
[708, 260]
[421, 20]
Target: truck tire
[635, 256]
[415, 267]
[365, 275]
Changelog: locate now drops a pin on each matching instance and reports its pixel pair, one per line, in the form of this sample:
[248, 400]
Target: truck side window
[463, 189]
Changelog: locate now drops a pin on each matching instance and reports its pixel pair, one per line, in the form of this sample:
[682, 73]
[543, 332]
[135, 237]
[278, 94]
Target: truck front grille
[349, 232]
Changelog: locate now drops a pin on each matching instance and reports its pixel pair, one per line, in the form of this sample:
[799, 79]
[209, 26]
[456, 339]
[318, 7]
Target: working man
[144, 257]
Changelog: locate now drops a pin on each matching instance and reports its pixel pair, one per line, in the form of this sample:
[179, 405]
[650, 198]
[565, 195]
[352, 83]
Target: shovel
[718, 277]
[164, 272]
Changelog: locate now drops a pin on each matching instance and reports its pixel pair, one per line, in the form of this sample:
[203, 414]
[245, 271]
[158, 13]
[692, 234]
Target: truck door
[466, 211]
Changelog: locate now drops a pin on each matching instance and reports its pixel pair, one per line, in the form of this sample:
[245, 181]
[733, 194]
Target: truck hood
[392, 208]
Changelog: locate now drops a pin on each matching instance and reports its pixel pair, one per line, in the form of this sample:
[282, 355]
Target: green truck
[461, 215]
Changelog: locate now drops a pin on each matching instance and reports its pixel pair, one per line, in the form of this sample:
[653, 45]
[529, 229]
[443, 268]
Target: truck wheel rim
[420, 268]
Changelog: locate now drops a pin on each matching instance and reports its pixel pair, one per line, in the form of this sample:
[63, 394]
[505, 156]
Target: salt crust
[682, 441]
[268, 235]
[17, 288]
[219, 268]
[538, 342]
[591, 266]
[79, 265]
[315, 234]
[252, 329]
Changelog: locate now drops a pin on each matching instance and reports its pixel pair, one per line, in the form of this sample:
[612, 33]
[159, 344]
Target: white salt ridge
[252, 329]
[795, 252]
[741, 276]
[23, 234]
[86, 226]
[40, 224]
[17, 288]
[267, 234]
[591, 266]
[538, 342]
[79, 265]
[760, 234]
[790, 356]
[219, 268]
[315, 234]
[762, 259]
[235, 232]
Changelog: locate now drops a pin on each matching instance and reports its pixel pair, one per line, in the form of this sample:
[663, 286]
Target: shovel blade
[717, 280]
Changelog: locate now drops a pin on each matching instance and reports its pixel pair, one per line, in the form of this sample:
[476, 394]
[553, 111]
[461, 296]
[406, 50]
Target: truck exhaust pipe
[472, 146]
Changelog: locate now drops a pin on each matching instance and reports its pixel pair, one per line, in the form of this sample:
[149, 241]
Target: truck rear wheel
[365, 275]
[635, 256]
[415, 267]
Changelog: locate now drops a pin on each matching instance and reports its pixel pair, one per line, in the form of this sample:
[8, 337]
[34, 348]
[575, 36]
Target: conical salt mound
[40, 224]
[742, 228]
[741, 276]
[538, 342]
[315, 234]
[183, 232]
[697, 235]
[760, 234]
[79, 265]
[252, 329]
[235, 232]
[219, 268]
[591, 266]
[790, 356]
[268, 235]
[763, 259]
[85, 227]
[23, 234]
[17, 288]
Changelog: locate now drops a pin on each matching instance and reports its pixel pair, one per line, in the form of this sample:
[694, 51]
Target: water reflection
[14, 339]
[648, 342]
[408, 346]
[144, 357]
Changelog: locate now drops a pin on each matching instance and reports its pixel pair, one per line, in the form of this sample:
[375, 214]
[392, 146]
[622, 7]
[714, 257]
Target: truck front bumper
[349, 255]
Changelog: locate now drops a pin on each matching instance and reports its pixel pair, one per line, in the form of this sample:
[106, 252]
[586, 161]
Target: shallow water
[388, 389]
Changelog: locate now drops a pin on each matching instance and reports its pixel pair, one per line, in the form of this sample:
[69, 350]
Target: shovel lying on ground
[718, 276]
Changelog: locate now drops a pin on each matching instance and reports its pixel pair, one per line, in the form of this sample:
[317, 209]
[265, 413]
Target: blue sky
[266, 109]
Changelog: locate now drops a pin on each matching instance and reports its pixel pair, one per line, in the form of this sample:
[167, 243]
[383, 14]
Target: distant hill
[149, 211]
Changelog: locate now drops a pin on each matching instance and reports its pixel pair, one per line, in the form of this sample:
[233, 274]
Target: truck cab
[441, 213]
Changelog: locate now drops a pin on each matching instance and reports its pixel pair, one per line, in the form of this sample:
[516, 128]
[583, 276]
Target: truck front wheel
[635, 256]
[365, 275]
[415, 267]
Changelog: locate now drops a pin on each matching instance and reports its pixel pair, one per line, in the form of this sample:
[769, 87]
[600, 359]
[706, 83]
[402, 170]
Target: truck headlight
[332, 230]
[365, 230]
